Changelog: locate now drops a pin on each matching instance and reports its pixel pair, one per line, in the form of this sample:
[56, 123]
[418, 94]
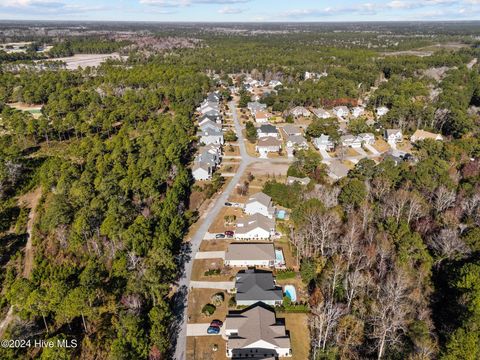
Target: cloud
[361, 9]
[180, 3]
[46, 7]
[230, 10]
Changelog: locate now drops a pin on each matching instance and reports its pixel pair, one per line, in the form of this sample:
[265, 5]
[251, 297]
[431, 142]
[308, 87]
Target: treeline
[88, 45]
[390, 255]
[114, 151]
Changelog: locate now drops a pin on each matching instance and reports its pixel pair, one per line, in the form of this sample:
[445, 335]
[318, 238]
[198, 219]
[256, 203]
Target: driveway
[220, 285]
[360, 151]
[210, 255]
[372, 149]
[325, 154]
[184, 282]
[199, 330]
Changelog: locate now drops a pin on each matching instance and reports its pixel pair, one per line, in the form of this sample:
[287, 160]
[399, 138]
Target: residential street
[184, 283]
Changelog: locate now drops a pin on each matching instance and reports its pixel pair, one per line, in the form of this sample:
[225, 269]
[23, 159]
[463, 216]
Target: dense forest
[390, 253]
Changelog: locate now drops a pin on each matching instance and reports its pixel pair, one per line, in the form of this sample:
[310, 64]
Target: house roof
[297, 139]
[323, 139]
[256, 323]
[250, 251]
[200, 166]
[292, 130]
[256, 285]
[260, 197]
[338, 169]
[321, 112]
[253, 222]
[422, 134]
[210, 132]
[268, 141]
[209, 124]
[267, 129]
[293, 179]
[261, 114]
[393, 132]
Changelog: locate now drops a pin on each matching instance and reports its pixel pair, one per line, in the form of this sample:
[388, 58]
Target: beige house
[250, 254]
[422, 135]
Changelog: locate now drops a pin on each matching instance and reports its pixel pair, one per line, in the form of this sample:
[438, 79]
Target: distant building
[267, 130]
[262, 117]
[290, 130]
[358, 111]
[257, 286]
[297, 142]
[324, 143]
[256, 106]
[267, 145]
[274, 83]
[298, 111]
[341, 112]
[302, 181]
[393, 136]
[321, 113]
[337, 170]
[366, 138]
[381, 111]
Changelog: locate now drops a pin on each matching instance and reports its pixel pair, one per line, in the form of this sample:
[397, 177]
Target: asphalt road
[184, 283]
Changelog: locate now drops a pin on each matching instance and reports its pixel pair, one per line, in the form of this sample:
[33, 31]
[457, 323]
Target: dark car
[229, 233]
[217, 323]
[213, 330]
[228, 204]
[220, 236]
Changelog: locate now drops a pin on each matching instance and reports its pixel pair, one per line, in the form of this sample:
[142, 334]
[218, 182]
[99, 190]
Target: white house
[393, 136]
[201, 171]
[324, 143]
[298, 111]
[255, 106]
[267, 145]
[267, 130]
[274, 83]
[260, 203]
[341, 112]
[302, 181]
[367, 138]
[210, 136]
[262, 117]
[297, 142]
[357, 111]
[208, 124]
[321, 113]
[422, 135]
[255, 227]
[382, 110]
[250, 254]
[351, 141]
[256, 333]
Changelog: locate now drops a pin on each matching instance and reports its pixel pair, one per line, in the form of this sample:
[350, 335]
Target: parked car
[220, 236]
[213, 330]
[229, 233]
[216, 323]
[228, 204]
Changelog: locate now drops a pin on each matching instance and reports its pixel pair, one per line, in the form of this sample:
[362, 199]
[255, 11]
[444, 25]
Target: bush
[232, 302]
[286, 274]
[218, 299]
[209, 309]
[212, 272]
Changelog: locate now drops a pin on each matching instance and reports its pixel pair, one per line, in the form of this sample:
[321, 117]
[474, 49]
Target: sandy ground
[84, 60]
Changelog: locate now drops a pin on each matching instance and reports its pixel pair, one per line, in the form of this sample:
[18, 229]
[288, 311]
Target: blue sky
[240, 10]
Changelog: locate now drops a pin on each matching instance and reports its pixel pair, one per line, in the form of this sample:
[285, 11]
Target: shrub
[232, 302]
[212, 272]
[209, 309]
[217, 298]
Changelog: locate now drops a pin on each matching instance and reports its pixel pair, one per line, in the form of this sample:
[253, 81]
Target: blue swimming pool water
[281, 214]
[279, 256]
[291, 292]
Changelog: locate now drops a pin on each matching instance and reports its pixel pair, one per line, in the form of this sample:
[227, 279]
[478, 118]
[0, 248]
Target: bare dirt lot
[201, 348]
[85, 60]
[201, 266]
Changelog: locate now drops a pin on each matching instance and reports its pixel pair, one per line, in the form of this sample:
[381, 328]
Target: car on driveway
[220, 236]
[216, 323]
[228, 204]
[229, 233]
[213, 330]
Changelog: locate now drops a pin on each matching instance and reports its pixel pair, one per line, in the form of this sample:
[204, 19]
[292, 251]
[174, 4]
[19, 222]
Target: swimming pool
[279, 259]
[291, 292]
[281, 214]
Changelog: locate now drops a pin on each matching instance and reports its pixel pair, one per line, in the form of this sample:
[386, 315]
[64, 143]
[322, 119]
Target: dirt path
[30, 201]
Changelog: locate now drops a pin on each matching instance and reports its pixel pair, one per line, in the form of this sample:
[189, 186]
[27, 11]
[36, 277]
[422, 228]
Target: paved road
[184, 283]
[220, 285]
[210, 255]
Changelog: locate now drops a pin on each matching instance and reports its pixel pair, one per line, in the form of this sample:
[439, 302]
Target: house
[254, 286]
[302, 181]
[213, 97]
[255, 227]
[201, 171]
[341, 112]
[297, 142]
[393, 136]
[207, 106]
[321, 113]
[262, 117]
[267, 130]
[215, 118]
[210, 136]
[214, 149]
[382, 110]
[256, 106]
[422, 135]
[208, 124]
[351, 141]
[366, 138]
[298, 111]
[213, 114]
[268, 144]
[336, 170]
[250, 254]
[255, 333]
[357, 111]
[290, 130]
[205, 157]
[324, 143]
[260, 203]
[274, 83]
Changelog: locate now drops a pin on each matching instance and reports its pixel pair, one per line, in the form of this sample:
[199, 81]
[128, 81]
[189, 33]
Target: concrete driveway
[199, 330]
[325, 154]
[372, 149]
[220, 285]
[210, 255]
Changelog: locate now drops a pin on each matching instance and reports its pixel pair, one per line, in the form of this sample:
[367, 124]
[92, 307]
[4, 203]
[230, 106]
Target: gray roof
[292, 130]
[338, 169]
[267, 129]
[297, 139]
[302, 181]
[393, 132]
[254, 285]
[261, 197]
[250, 251]
[254, 221]
[254, 324]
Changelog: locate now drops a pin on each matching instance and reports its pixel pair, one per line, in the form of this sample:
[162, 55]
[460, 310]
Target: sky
[240, 10]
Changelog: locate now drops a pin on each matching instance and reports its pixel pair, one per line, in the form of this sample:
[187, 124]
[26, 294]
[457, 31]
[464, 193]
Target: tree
[353, 193]
[251, 132]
